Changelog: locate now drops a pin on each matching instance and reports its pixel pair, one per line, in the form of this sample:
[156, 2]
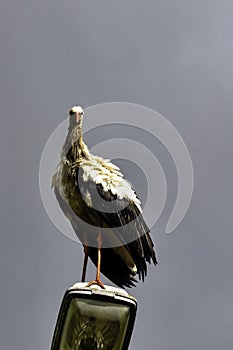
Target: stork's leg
[99, 240]
[97, 279]
[86, 253]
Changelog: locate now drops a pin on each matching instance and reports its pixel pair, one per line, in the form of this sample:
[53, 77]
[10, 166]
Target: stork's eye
[80, 113]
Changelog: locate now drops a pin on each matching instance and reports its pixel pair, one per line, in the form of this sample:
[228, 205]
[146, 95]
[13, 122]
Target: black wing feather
[130, 228]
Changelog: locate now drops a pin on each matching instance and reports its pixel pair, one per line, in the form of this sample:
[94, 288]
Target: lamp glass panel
[94, 325]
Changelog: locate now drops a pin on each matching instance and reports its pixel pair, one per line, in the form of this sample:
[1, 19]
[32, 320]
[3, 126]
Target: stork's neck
[74, 148]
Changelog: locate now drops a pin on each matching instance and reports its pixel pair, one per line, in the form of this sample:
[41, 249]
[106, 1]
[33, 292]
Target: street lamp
[92, 318]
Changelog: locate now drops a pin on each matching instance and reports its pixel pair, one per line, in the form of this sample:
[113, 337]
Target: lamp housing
[91, 318]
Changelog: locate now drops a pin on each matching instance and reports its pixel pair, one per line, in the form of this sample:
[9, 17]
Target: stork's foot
[98, 282]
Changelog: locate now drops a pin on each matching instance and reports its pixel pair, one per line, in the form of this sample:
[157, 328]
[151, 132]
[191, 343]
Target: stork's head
[76, 115]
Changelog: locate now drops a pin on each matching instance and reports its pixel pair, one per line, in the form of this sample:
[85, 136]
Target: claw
[98, 282]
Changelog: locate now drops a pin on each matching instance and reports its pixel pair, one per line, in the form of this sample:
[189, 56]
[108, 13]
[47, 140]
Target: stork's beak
[77, 117]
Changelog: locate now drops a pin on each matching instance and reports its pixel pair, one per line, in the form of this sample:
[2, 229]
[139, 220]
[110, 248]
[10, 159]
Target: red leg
[99, 241]
[97, 280]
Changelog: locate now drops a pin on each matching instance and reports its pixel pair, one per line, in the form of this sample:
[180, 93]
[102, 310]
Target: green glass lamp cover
[95, 319]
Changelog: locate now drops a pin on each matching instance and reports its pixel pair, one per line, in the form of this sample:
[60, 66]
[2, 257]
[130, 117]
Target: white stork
[86, 186]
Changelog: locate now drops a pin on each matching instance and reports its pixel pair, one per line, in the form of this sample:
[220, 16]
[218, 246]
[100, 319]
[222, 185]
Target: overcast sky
[173, 56]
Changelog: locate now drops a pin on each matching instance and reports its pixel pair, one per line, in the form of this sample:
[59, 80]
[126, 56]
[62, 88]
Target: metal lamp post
[92, 318]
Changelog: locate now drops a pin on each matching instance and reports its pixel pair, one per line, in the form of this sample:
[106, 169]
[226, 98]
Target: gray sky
[173, 56]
